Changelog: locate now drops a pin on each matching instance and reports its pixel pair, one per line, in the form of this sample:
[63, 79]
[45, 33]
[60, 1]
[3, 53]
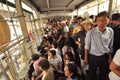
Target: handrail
[9, 46]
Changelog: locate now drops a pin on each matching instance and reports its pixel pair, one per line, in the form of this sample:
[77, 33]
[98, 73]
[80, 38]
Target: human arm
[60, 37]
[87, 47]
[115, 68]
[86, 56]
[110, 57]
[40, 76]
[115, 64]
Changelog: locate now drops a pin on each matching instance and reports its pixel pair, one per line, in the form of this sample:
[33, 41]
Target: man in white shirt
[98, 47]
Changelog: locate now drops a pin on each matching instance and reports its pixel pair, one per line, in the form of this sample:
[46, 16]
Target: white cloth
[55, 61]
[64, 50]
[66, 29]
[116, 60]
[113, 76]
[57, 51]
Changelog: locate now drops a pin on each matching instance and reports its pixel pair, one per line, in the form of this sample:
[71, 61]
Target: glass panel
[74, 12]
[2, 77]
[118, 5]
[104, 6]
[17, 28]
[91, 12]
[24, 6]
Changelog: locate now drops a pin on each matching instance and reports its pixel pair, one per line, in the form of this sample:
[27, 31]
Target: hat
[88, 20]
[63, 21]
[116, 16]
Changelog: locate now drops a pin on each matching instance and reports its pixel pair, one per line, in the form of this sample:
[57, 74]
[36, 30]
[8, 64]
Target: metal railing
[14, 60]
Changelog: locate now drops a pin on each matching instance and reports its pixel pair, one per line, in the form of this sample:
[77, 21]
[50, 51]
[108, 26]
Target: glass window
[91, 12]
[115, 6]
[82, 10]
[74, 12]
[118, 5]
[104, 6]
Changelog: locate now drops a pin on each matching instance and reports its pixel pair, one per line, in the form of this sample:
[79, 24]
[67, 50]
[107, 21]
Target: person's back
[48, 76]
[47, 71]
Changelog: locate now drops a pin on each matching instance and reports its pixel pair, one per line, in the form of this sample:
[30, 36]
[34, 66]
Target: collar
[100, 31]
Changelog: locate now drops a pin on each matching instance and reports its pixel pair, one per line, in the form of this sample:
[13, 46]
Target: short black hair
[43, 51]
[70, 55]
[91, 16]
[116, 16]
[44, 64]
[75, 16]
[103, 13]
[73, 69]
[53, 52]
[55, 44]
[35, 57]
[80, 18]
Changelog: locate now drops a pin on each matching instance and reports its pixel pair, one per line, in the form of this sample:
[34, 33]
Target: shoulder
[80, 33]
[93, 30]
[116, 58]
[109, 29]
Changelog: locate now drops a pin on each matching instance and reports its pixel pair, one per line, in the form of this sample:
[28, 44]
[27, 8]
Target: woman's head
[87, 24]
[70, 70]
[52, 53]
[55, 44]
[69, 56]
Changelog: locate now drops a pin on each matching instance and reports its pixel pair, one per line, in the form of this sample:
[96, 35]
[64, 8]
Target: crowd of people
[67, 47]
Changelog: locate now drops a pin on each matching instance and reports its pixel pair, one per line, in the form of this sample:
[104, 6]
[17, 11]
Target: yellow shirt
[48, 76]
[77, 29]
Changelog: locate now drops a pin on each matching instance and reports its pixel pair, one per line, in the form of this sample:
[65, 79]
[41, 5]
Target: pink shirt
[36, 66]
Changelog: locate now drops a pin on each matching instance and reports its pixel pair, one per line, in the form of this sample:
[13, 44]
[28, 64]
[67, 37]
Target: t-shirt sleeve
[116, 58]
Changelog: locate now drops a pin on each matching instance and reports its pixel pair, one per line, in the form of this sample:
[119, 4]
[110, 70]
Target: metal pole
[22, 23]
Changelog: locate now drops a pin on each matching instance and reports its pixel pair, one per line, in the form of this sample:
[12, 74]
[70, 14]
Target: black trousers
[98, 67]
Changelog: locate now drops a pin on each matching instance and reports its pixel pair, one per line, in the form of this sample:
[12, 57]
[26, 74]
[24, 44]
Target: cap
[63, 22]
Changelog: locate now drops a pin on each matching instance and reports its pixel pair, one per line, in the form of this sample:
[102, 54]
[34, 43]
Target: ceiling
[56, 7]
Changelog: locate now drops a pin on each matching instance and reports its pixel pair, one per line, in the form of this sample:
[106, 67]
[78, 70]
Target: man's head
[102, 19]
[35, 57]
[116, 18]
[44, 64]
